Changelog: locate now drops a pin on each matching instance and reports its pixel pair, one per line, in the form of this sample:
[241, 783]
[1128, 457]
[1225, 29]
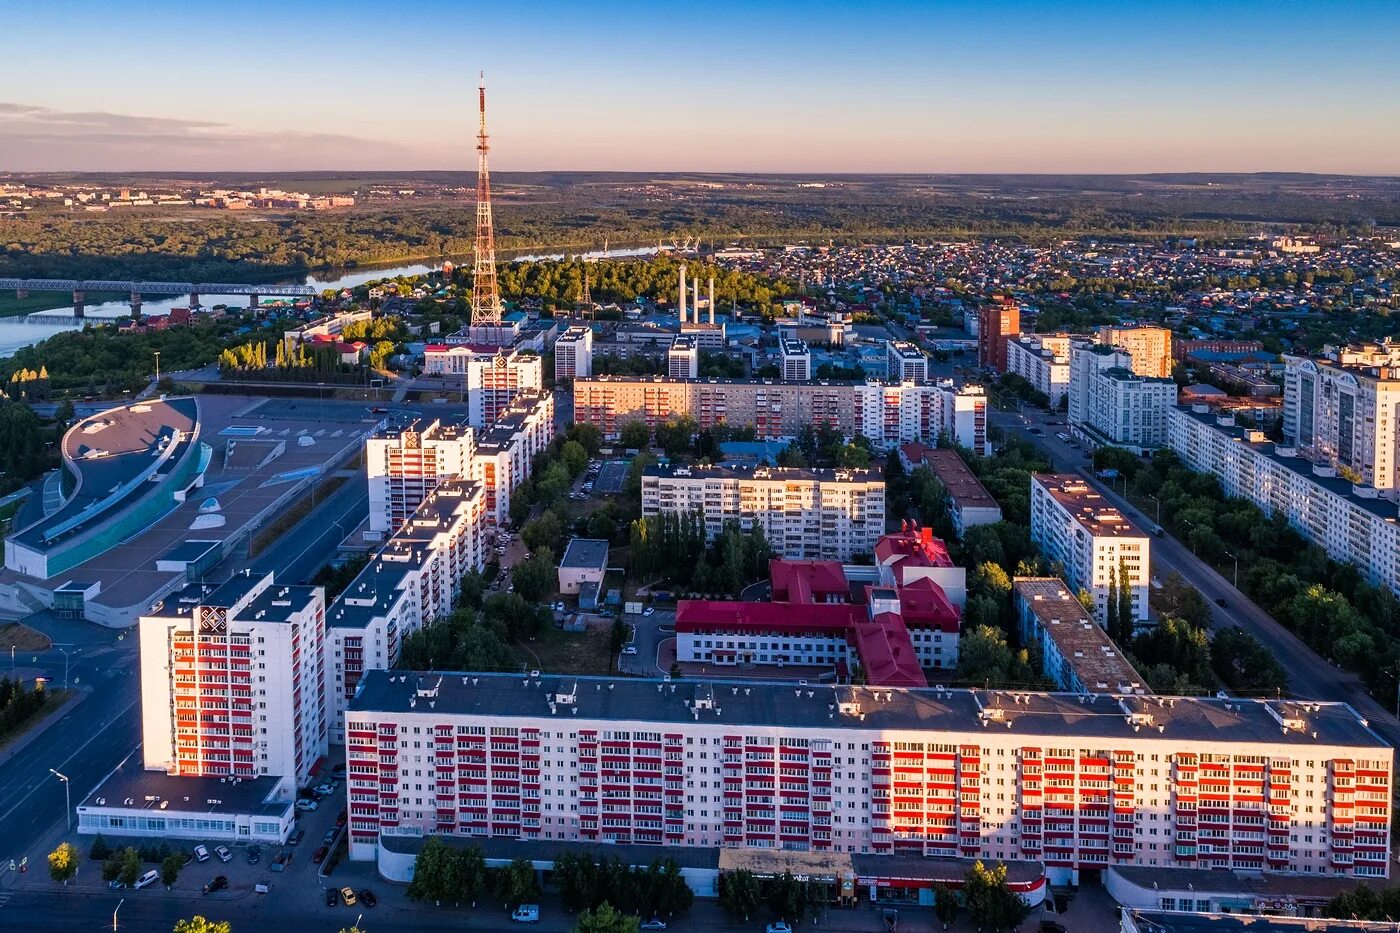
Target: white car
[779, 927]
[649, 611]
[630, 649]
[223, 853]
[148, 878]
[201, 854]
[1062, 435]
[655, 923]
[304, 805]
[526, 913]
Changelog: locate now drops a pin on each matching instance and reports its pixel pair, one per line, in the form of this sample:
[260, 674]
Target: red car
[320, 855]
[340, 820]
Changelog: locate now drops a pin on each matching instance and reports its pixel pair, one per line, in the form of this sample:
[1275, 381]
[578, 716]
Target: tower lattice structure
[486, 296]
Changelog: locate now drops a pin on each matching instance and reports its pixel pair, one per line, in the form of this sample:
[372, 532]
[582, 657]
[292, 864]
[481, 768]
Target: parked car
[655, 923]
[341, 818]
[779, 927]
[319, 855]
[324, 790]
[630, 649]
[224, 854]
[526, 913]
[218, 884]
[306, 806]
[201, 854]
[369, 898]
[1222, 603]
[254, 855]
[649, 611]
[297, 836]
[116, 885]
[332, 897]
[329, 837]
[348, 896]
[148, 878]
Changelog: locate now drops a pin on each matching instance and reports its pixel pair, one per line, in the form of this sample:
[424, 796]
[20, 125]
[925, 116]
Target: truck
[632, 608]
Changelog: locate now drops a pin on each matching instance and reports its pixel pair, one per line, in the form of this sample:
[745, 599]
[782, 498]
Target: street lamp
[65, 667]
[1159, 506]
[157, 353]
[114, 914]
[1237, 568]
[67, 801]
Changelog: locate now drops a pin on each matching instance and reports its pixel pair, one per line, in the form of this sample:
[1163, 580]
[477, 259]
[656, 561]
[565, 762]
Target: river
[22, 331]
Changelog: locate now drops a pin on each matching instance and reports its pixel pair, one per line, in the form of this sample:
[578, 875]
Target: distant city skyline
[1020, 86]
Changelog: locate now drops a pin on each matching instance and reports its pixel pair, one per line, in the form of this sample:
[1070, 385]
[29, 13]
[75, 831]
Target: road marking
[92, 738]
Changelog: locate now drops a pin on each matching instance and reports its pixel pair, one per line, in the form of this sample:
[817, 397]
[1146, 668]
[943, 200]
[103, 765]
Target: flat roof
[1160, 921]
[824, 707]
[132, 786]
[1085, 646]
[965, 489]
[189, 551]
[1086, 506]
[1223, 881]
[777, 474]
[585, 554]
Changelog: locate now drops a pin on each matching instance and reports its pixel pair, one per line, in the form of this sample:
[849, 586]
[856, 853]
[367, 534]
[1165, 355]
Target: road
[647, 636]
[1309, 676]
[86, 744]
[312, 542]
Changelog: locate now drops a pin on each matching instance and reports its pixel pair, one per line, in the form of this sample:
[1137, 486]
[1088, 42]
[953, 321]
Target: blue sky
[854, 86]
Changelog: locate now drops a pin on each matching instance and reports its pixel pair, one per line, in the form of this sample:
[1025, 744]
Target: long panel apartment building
[805, 514]
[1079, 783]
[887, 413]
[1354, 523]
[1096, 544]
[1344, 407]
[1043, 361]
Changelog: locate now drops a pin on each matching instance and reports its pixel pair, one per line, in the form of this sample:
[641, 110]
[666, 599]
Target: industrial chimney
[712, 300]
[682, 306]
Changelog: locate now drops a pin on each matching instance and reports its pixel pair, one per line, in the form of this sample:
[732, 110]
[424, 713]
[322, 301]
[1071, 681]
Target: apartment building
[683, 359]
[886, 413]
[1043, 361]
[805, 514]
[505, 452]
[493, 375]
[232, 683]
[1076, 528]
[573, 354]
[1344, 407]
[1075, 652]
[1351, 522]
[412, 580]
[905, 362]
[797, 360]
[1110, 404]
[997, 322]
[1150, 348]
[405, 462]
[1079, 783]
[969, 503]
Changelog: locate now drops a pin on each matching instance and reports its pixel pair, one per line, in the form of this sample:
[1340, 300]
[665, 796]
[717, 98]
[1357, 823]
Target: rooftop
[965, 489]
[823, 707]
[1158, 921]
[1311, 888]
[585, 554]
[775, 474]
[131, 785]
[1085, 646]
[905, 350]
[1086, 506]
[914, 546]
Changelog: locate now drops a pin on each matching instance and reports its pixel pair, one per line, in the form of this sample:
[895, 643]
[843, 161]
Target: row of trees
[444, 874]
[585, 883]
[672, 547]
[18, 704]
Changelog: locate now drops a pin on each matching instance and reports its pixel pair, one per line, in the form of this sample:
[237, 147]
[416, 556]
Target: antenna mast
[486, 298]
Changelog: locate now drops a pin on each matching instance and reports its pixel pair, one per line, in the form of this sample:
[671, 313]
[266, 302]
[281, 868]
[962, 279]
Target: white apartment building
[904, 362]
[505, 452]
[1351, 523]
[411, 581]
[890, 413]
[1149, 347]
[573, 354]
[232, 683]
[683, 358]
[1109, 404]
[805, 514]
[797, 360]
[1075, 527]
[1344, 407]
[1075, 652]
[406, 462]
[1043, 361]
[1078, 783]
[493, 375]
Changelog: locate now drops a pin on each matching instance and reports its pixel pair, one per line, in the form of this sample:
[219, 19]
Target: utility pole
[157, 353]
[67, 802]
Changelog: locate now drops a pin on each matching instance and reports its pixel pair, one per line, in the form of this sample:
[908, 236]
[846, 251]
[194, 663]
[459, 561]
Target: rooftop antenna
[486, 297]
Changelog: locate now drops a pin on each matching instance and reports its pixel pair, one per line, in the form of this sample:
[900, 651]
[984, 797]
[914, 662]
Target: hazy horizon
[1016, 87]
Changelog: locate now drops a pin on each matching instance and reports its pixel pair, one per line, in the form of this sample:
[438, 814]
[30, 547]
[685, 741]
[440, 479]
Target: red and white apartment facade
[412, 580]
[506, 451]
[494, 375]
[232, 684]
[1074, 782]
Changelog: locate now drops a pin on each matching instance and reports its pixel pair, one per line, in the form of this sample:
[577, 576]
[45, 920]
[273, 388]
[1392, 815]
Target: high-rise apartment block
[1352, 523]
[493, 375]
[573, 354]
[797, 360]
[506, 451]
[997, 322]
[1096, 544]
[885, 413]
[1075, 652]
[1075, 783]
[1343, 408]
[683, 358]
[805, 514]
[412, 580]
[232, 683]
[904, 362]
[406, 462]
[1043, 361]
[1110, 404]
[1150, 348]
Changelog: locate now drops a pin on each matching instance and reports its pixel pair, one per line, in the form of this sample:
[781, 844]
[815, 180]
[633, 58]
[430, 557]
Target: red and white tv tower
[486, 297]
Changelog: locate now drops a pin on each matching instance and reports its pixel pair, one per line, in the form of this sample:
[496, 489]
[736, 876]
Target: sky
[762, 86]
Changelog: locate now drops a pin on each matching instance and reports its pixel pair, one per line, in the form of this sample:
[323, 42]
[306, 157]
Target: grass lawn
[23, 638]
[560, 652]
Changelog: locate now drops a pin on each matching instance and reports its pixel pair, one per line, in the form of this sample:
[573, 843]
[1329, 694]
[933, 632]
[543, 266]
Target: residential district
[922, 586]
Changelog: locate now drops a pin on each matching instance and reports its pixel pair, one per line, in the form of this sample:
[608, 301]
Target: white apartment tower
[405, 463]
[1344, 409]
[797, 360]
[683, 358]
[1110, 404]
[905, 362]
[573, 354]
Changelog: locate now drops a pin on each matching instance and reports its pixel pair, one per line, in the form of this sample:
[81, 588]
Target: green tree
[468, 876]
[547, 531]
[63, 862]
[634, 435]
[516, 883]
[789, 898]
[1245, 665]
[739, 894]
[64, 414]
[170, 868]
[991, 903]
[574, 457]
[604, 919]
[1127, 620]
[100, 849]
[535, 578]
[430, 871]
[129, 866]
[588, 435]
[199, 924]
[1183, 649]
[1181, 600]
[945, 904]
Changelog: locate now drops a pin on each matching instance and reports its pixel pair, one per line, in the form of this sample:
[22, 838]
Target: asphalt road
[1309, 676]
[647, 637]
[313, 541]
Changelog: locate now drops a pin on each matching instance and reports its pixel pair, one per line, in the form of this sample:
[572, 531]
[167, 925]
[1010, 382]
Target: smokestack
[682, 294]
[712, 299]
[695, 304]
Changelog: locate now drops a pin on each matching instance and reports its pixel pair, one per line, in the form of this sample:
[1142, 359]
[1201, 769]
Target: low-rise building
[585, 561]
[1075, 527]
[1075, 652]
[969, 503]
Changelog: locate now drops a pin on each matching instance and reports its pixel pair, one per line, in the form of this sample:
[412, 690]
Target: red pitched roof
[916, 546]
[923, 604]
[886, 653]
[808, 581]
